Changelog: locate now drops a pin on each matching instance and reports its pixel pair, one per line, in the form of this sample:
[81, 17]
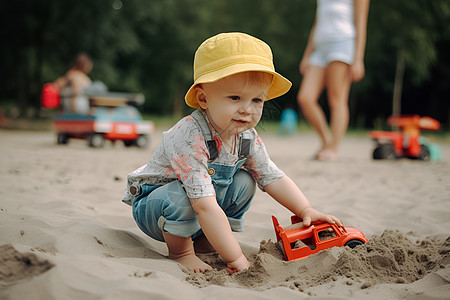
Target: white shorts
[324, 53]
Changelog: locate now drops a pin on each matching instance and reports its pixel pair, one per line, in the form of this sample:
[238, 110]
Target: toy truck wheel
[385, 151]
[354, 243]
[128, 143]
[62, 139]
[424, 153]
[96, 140]
[142, 141]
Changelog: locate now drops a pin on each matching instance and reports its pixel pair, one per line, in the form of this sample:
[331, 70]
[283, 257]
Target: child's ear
[201, 96]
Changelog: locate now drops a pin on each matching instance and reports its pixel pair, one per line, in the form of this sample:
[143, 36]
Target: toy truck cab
[297, 242]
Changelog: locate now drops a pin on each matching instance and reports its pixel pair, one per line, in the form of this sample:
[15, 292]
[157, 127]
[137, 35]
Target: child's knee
[243, 191]
[176, 205]
[166, 208]
[245, 181]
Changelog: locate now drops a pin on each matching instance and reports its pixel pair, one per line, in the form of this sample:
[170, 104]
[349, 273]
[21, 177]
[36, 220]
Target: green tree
[148, 46]
[403, 39]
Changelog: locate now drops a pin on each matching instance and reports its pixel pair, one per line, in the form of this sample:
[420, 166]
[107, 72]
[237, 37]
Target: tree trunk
[178, 101]
[398, 84]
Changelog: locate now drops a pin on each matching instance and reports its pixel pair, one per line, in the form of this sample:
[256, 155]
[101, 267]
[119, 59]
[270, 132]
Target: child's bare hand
[239, 264]
[309, 215]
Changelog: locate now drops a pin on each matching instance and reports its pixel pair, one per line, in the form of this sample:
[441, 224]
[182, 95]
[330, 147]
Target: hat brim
[280, 85]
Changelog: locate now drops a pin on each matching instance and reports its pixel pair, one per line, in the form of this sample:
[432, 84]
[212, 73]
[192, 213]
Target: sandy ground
[64, 233]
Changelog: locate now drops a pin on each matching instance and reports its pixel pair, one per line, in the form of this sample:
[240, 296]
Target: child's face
[233, 104]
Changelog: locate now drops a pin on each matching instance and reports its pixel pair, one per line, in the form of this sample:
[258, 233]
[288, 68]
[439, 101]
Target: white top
[182, 155]
[334, 21]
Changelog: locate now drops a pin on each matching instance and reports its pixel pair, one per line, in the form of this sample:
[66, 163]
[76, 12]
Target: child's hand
[237, 265]
[310, 215]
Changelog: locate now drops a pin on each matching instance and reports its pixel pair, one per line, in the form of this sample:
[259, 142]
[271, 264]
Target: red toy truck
[297, 242]
[407, 142]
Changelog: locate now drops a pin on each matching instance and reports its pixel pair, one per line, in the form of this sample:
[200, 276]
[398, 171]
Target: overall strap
[207, 135]
[245, 138]
[245, 143]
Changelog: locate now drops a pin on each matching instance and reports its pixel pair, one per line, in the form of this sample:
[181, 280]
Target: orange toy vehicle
[407, 142]
[299, 242]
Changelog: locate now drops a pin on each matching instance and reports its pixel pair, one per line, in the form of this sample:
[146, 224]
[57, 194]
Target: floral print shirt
[183, 155]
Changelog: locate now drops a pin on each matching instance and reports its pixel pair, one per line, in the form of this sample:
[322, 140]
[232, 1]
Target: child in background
[73, 84]
[202, 177]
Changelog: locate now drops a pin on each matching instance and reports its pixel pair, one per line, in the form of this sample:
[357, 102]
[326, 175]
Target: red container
[50, 96]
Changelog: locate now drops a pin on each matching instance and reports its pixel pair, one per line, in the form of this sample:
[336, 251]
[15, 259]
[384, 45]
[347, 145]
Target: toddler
[202, 177]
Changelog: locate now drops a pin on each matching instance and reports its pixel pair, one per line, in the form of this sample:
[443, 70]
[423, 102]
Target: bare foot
[181, 250]
[192, 262]
[326, 154]
[202, 245]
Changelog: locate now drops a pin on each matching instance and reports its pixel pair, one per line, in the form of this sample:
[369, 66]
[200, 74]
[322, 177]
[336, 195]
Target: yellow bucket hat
[226, 54]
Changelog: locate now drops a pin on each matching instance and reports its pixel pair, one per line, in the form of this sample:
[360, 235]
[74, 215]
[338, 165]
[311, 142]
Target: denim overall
[167, 207]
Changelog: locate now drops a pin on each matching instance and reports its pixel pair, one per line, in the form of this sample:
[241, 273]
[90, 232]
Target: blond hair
[252, 78]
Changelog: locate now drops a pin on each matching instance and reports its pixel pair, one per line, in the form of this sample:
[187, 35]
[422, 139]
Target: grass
[302, 127]
[161, 120]
[269, 126]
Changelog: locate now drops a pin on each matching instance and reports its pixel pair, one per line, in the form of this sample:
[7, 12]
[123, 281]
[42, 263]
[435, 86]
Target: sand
[64, 233]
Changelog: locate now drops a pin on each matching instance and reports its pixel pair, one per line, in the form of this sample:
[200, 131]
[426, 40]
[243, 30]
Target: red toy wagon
[113, 117]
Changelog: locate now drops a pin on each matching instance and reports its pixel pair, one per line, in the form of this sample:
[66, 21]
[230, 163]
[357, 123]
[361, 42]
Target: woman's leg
[308, 98]
[337, 81]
